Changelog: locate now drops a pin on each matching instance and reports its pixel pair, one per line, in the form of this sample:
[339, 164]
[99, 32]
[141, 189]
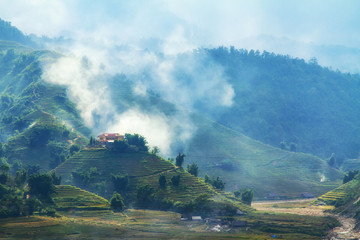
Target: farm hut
[307, 195]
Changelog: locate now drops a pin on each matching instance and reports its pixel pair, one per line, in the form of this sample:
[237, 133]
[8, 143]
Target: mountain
[283, 99]
[244, 162]
[27, 100]
[38, 122]
[11, 33]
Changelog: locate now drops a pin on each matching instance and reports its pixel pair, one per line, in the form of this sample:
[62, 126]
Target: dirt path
[345, 232]
[260, 203]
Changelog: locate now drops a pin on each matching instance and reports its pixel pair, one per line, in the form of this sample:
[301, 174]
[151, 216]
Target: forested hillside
[11, 33]
[284, 99]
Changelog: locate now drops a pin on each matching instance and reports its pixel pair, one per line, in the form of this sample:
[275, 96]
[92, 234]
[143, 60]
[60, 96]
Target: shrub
[120, 183]
[117, 203]
[175, 180]
[162, 181]
[193, 169]
[179, 160]
[247, 196]
[41, 185]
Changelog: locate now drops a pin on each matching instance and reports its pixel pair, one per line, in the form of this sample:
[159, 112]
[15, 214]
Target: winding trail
[344, 232]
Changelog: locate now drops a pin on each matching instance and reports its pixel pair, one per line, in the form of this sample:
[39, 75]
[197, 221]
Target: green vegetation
[217, 182]
[288, 174]
[179, 160]
[138, 141]
[140, 168]
[72, 198]
[162, 181]
[346, 197]
[117, 203]
[193, 169]
[41, 185]
[284, 99]
[350, 176]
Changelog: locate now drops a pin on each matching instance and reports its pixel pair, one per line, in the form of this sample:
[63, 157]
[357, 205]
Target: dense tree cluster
[350, 176]
[23, 194]
[216, 182]
[290, 100]
[193, 169]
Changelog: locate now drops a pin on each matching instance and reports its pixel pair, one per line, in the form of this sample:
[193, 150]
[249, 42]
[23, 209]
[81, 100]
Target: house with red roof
[110, 137]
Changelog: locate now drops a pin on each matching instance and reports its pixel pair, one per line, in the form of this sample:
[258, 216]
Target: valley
[110, 131]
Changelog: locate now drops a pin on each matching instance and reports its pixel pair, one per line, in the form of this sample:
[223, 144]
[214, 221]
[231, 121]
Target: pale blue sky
[326, 29]
[202, 22]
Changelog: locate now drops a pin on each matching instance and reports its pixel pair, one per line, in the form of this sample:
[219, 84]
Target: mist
[93, 75]
[150, 42]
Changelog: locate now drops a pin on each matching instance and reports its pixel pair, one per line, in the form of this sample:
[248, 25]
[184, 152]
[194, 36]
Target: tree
[350, 176]
[120, 183]
[162, 181]
[155, 150]
[120, 146]
[179, 160]
[74, 148]
[144, 196]
[237, 193]
[175, 180]
[193, 169]
[207, 178]
[117, 202]
[55, 179]
[32, 169]
[32, 204]
[247, 196]
[5, 167]
[41, 185]
[137, 140]
[4, 171]
[332, 160]
[218, 183]
[20, 177]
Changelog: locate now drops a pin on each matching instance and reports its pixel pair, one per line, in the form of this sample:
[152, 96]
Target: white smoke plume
[175, 76]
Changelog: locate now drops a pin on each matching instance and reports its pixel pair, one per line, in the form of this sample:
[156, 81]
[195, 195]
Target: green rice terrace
[73, 198]
[141, 168]
[221, 151]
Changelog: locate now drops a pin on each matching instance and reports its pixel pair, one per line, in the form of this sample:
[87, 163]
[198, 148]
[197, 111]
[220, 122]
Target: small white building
[196, 218]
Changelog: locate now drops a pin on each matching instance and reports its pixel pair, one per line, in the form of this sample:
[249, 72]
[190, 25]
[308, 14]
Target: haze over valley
[116, 115]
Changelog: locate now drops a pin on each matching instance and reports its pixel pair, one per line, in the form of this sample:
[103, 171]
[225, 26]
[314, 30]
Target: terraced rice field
[70, 197]
[141, 168]
[339, 193]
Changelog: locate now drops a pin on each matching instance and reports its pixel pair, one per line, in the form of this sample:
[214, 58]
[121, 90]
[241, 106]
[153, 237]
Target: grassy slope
[345, 198]
[70, 197]
[350, 164]
[33, 102]
[251, 163]
[142, 168]
[264, 168]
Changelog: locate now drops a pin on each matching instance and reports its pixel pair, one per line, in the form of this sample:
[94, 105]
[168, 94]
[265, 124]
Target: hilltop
[141, 169]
